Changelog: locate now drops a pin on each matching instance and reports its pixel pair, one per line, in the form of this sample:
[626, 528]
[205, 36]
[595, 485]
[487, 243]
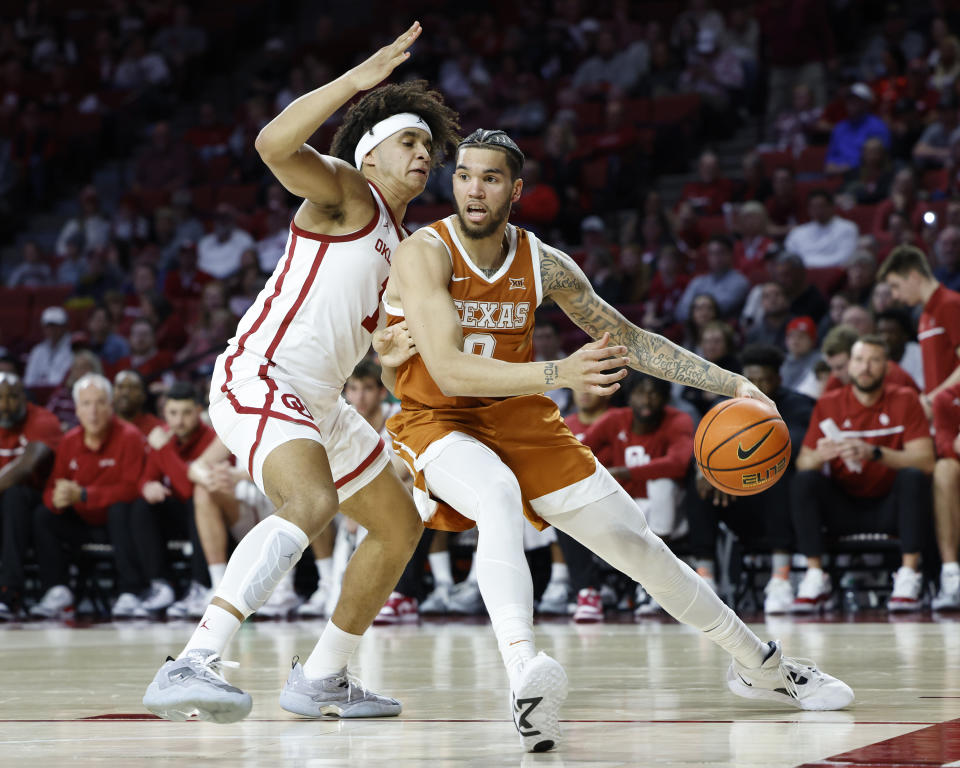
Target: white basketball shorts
[259, 414]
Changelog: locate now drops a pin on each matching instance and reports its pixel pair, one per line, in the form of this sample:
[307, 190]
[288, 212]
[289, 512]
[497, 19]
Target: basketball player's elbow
[269, 148]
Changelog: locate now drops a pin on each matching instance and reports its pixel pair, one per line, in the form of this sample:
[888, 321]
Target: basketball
[742, 446]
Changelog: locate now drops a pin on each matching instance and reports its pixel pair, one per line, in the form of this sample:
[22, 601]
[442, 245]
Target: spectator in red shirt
[784, 207]
[755, 245]
[876, 441]
[762, 520]
[709, 192]
[93, 481]
[28, 437]
[946, 495]
[539, 203]
[908, 274]
[836, 348]
[145, 357]
[185, 281]
[130, 399]
[165, 506]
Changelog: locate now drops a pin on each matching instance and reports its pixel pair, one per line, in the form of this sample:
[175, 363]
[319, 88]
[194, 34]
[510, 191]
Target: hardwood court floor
[646, 694]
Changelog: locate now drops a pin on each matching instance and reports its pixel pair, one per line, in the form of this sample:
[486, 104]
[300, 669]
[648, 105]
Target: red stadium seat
[776, 159]
[862, 216]
[713, 225]
[827, 279]
[243, 197]
[594, 173]
[676, 109]
[935, 180]
[812, 160]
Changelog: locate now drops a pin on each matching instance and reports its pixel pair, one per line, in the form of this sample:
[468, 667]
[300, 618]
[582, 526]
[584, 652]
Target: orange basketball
[742, 446]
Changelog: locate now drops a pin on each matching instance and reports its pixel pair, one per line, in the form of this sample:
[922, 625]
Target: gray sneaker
[339, 695]
[465, 598]
[437, 601]
[193, 685]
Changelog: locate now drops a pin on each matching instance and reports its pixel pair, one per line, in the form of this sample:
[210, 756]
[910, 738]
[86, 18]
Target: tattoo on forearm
[550, 374]
[651, 353]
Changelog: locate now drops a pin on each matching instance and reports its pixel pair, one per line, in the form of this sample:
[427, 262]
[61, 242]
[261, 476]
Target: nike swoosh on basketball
[743, 455]
[458, 279]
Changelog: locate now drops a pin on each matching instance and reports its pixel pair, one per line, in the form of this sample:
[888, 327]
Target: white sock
[513, 626]
[325, 570]
[949, 568]
[440, 568]
[216, 574]
[215, 630]
[331, 653]
[559, 573]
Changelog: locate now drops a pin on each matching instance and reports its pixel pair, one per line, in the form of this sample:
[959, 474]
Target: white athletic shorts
[259, 414]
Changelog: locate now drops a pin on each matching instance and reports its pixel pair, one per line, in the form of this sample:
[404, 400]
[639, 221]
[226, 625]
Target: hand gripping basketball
[742, 446]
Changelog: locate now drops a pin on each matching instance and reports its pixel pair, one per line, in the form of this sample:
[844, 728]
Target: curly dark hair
[414, 96]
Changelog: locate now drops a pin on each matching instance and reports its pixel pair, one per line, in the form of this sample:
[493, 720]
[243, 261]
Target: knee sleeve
[261, 560]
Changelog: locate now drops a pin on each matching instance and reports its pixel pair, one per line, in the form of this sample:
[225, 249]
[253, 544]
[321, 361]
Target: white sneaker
[57, 603]
[193, 604]
[128, 606]
[555, 598]
[437, 601]
[194, 685]
[948, 598]
[316, 606]
[536, 701]
[280, 603]
[814, 593]
[784, 680]
[465, 598]
[778, 596]
[907, 584]
[159, 596]
[645, 604]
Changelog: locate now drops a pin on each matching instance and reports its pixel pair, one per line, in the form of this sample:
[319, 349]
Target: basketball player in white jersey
[453, 282]
[275, 395]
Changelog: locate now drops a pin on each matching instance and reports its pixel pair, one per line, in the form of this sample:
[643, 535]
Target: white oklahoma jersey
[282, 374]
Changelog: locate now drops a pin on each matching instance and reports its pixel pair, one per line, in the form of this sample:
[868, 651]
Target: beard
[868, 385]
[9, 421]
[480, 231]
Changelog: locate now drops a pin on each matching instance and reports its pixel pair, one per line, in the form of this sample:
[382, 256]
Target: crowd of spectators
[771, 270]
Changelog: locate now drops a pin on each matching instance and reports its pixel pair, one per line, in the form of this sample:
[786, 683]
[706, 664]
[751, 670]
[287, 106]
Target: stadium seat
[812, 160]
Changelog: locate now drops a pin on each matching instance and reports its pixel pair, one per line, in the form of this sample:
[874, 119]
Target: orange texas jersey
[496, 314]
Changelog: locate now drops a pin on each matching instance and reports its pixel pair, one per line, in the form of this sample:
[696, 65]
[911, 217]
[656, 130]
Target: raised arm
[323, 180]
[422, 270]
[565, 283]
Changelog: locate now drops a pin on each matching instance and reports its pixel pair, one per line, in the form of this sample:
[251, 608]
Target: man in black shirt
[763, 520]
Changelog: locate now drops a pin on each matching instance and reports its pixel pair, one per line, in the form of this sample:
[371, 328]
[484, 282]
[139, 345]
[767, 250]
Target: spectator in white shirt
[50, 360]
[91, 225]
[219, 252]
[827, 240]
[32, 271]
[728, 286]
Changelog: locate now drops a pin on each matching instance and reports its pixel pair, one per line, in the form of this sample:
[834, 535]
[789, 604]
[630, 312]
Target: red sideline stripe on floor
[934, 746]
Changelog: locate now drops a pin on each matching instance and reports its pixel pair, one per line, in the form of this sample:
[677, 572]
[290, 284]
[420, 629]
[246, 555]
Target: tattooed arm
[421, 268]
[565, 283]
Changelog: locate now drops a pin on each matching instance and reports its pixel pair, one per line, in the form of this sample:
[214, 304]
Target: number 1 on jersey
[481, 344]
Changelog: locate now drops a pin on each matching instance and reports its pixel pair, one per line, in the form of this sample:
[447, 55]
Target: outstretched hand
[585, 370]
[379, 66]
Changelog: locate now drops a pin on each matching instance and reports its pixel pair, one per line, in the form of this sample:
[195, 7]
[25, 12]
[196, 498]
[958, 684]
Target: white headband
[385, 129]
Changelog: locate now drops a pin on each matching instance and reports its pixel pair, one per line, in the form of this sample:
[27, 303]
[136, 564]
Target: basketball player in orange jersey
[275, 394]
[478, 437]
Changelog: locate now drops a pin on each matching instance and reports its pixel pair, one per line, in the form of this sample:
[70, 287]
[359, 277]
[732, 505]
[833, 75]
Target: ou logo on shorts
[294, 403]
